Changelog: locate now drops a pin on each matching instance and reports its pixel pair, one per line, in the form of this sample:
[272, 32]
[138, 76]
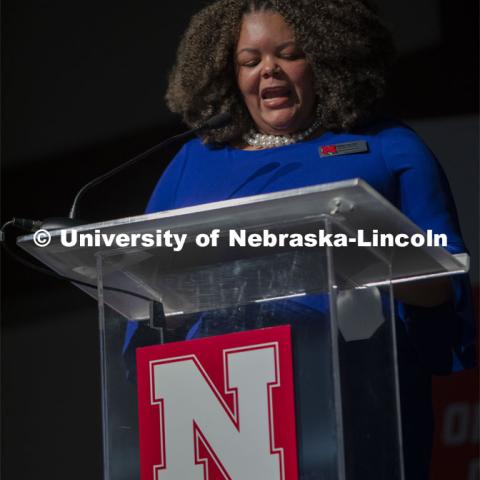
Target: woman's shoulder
[197, 146]
[194, 152]
[398, 143]
[389, 130]
[393, 133]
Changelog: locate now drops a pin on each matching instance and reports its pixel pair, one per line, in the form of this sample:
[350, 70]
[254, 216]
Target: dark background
[82, 91]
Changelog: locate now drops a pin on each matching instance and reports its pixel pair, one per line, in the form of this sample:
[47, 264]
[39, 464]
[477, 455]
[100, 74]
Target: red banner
[456, 453]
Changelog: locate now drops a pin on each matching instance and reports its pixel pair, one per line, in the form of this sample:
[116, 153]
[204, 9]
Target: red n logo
[218, 408]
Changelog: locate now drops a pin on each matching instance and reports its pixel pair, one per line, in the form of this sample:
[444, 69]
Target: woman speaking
[302, 79]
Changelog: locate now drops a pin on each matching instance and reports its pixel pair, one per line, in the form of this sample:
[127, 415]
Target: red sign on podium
[218, 408]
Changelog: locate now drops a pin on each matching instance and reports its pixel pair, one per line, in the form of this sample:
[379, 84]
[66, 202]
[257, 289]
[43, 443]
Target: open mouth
[276, 97]
[275, 92]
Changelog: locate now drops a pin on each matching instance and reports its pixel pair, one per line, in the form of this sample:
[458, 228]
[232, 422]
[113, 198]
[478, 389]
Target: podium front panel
[343, 346]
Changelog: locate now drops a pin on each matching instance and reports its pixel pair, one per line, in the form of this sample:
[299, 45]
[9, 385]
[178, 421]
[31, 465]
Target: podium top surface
[345, 207]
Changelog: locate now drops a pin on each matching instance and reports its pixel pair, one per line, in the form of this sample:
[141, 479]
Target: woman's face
[273, 75]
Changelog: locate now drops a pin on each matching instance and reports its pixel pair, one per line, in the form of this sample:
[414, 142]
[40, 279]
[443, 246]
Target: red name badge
[218, 408]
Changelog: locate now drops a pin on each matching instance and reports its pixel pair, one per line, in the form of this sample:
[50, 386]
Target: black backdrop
[82, 90]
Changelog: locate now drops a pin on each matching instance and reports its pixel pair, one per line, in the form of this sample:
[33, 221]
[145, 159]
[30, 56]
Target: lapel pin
[346, 148]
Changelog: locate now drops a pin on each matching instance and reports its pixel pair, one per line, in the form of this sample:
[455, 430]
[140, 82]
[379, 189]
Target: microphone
[217, 121]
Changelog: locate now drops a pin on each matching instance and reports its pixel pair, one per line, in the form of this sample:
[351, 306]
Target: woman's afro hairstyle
[345, 43]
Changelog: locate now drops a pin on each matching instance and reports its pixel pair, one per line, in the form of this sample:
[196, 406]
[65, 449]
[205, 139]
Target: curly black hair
[344, 41]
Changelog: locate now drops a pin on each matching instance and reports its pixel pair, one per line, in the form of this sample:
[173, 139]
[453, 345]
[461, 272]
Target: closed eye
[251, 63]
[292, 56]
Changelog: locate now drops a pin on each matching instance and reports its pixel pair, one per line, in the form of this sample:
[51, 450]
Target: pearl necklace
[260, 140]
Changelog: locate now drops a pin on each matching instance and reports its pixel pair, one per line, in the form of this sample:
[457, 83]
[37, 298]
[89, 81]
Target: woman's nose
[270, 69]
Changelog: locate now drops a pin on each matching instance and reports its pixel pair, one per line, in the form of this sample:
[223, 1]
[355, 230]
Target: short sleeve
[444, 336]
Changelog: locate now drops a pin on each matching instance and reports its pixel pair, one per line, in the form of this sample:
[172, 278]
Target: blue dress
[400, 167]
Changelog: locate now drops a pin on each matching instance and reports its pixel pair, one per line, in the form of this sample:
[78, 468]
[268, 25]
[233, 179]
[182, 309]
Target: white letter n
[241, 441]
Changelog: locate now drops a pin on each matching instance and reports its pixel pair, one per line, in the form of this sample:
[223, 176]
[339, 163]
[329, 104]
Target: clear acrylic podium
[338, 301]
